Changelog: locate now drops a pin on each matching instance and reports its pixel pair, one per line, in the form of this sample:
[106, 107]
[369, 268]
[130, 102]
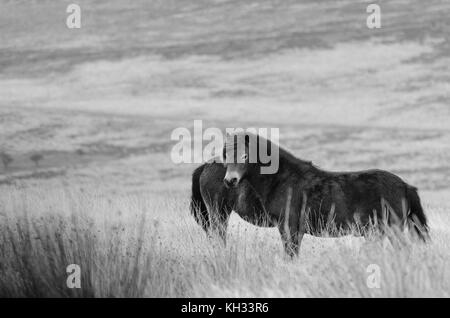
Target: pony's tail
[198, 206]
[416, 218]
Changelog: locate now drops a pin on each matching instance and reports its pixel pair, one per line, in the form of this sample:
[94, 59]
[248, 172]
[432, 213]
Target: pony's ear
[224, 154]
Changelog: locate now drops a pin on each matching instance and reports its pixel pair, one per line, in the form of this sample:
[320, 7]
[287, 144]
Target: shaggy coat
[301, 198]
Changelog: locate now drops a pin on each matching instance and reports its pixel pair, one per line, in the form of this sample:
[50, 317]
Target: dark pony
[300, 198]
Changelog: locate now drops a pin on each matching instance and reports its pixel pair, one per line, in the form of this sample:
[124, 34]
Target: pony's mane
[232, 140]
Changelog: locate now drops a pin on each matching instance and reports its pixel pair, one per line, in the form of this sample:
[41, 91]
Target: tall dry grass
[151, 247]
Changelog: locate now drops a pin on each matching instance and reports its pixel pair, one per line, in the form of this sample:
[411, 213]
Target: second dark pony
[300, 198]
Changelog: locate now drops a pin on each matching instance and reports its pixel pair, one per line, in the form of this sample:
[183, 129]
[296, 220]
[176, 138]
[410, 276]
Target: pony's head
[243, 155]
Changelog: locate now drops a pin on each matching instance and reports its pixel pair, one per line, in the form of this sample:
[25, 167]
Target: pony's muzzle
[231, 179]
[230, 183]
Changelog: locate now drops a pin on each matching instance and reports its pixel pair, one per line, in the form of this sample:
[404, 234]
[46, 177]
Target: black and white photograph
[224, 153]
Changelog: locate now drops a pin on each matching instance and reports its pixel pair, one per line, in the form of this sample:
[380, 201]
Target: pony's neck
[294, 166]
[289, 166]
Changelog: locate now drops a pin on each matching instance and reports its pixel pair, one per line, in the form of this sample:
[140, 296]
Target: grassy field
[150, 247]
[99, 105]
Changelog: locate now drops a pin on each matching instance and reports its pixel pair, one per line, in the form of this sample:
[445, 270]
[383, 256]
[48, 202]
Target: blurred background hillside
[99, 103]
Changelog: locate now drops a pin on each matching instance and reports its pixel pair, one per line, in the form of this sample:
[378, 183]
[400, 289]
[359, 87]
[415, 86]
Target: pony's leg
[219, 214]
[291, 241]
[386, 235]
[219, 226]
[291, 228]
